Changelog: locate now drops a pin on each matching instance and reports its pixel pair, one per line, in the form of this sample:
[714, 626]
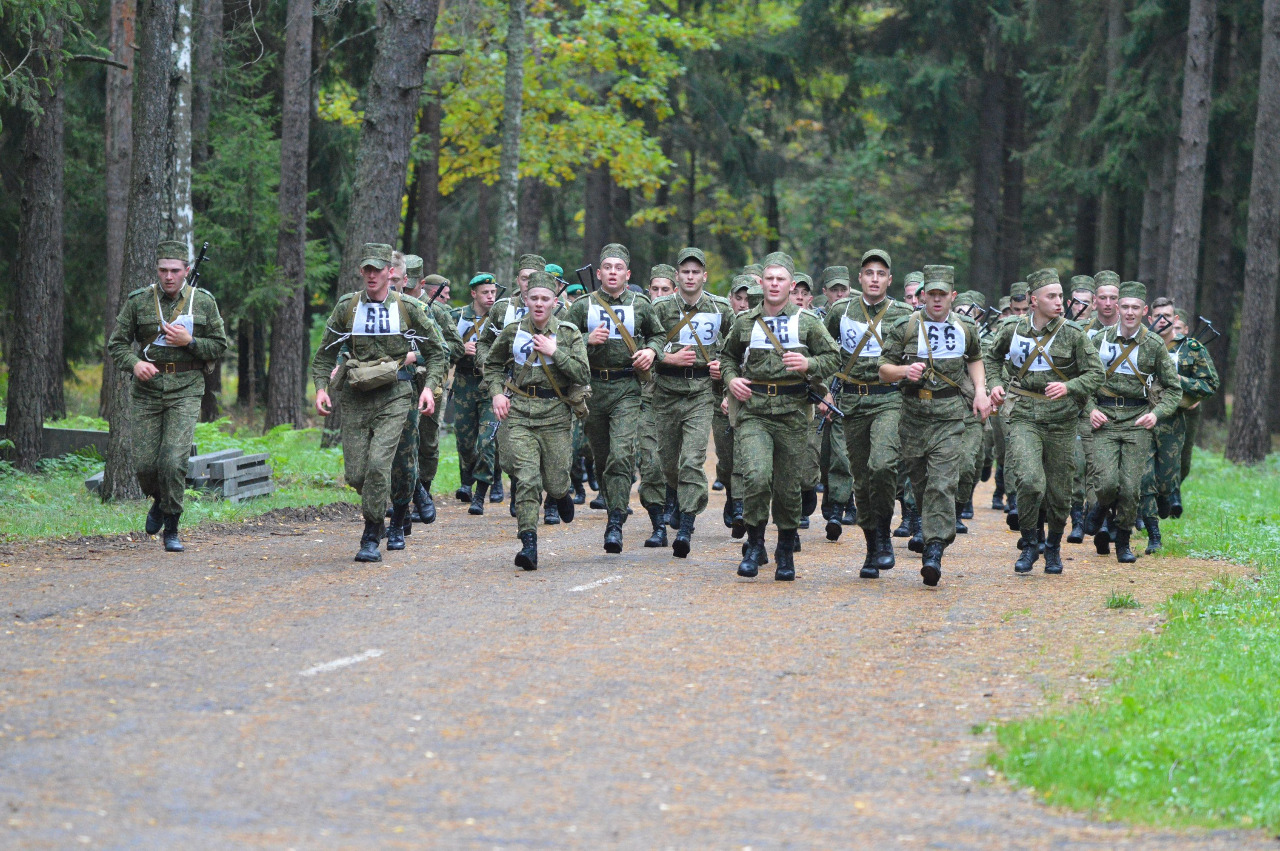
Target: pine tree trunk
[1086, 235]
[147, 206]
[1149, 233]
[181, 214]
[1108, 252]
[1012, 180]
[772, 219]
[596, 213]
[531, 191]
[484, 225]
[1249, 437]
[206, 61]
[119, 149]
[1164, 231]
[428, 207]
[509, 156]
[984, 257]
[1193, 142]
[286, 390]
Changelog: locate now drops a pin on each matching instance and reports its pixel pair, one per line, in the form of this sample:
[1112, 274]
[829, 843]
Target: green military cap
[531, 261]
[376, 254]
[172, 249]
[876, 254]
[1018, 291]
[662, 270]
[1003, 304]
[1106, 279]
[779, 258]
[1041, 278]
[412, 267]
[574, 289]
[1184, 316]
[742, 282]
[691, 254]
[835, 276]
[753, 269]
[1083, 282]
[939, 278]
[482, 278]
[914, 278]
[542, 280]
[553, 269]
[616, 250]
[803, 280]
[1133, 289]
[435, 281]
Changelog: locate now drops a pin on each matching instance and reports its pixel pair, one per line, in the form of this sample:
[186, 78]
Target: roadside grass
[53, 502]
[1189, 731]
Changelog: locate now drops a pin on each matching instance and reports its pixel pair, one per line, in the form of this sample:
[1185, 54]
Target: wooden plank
[261, 489]
[198, 465]
[233, 467]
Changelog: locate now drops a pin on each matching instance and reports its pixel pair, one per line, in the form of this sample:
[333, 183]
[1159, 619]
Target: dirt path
[263, 690]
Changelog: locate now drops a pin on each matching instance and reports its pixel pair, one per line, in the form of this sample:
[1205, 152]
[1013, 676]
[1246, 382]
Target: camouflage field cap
[617, 251]
[1018, 291]
[554, 269]
[779, 258]
[803, 280]
[1083, 282]
[662, 270]
[1042, 278]
[1133, 289]
[376, 254]
[1003, 304]
[435, 281]
[691, 254]
[755, 295]
[913, 278]
[741, 282]
[1106, 279]
[172, 249]
[481, 279]
[1184, 316]
[530, 261]
[939, 279]
[876, 254]
[412, 267]
[835, 276]
[753, 269]
[541, 280]
[972, 297]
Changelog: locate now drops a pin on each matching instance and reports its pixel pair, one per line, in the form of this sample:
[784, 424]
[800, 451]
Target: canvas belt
[533, 392]
[1031, 394]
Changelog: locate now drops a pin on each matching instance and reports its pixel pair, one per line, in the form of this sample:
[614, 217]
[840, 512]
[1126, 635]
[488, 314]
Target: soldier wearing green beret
[655, 496]
[380, 328]
[533, 371]
[1042, 372]
[935, 357]
[722, 432]
[1135, 362]
[770, 356]
[179, 329]
[473, 411]
[623, 338]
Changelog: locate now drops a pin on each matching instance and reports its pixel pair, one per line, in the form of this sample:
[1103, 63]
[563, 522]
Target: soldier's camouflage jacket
[749, 353]
[1196, 372]
[374, 332]
[1071, 359]
[138, 322]
[709, 320]
[1133, 378]
[513, 359]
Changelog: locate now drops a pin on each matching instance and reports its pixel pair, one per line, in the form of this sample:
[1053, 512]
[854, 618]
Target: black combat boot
[171, 542]
[1154, 542]
[1175, 503]
[739, 527]
[961, 529]
[717, 485]
[670, 510]
[869, 569]
[395, 529]
[564, 505]
[463, 493]
[1124, 554]
[680, 546]
[550, 512]
[726, 514]
[1011, 516]
[1076, 536]
[1030, 554]
[785, 568]
[659, 536]
[1053, 552]
[495, 490]
[1139, 525]
[369, 542]
[850, 517]
[753, 554]
[808, 504]
[1162, 507]
[613, 530]
[528, 555]
[408, 520]
[1040, 537]
[1101, 535]
[155, 518]
[884, 544]
[986, 471]
[997, 498]
[966, 510]
[916, 544]
[590, 468]
[477, 498]
[826, 505]
[834, 526]
[423, 502]
[904, 528]
[579, 491]
[931, 563]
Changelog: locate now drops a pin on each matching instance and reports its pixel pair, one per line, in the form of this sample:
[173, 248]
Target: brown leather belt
[170, 367]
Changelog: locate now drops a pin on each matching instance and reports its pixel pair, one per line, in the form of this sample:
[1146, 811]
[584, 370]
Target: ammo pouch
[364, 376]
[576, 398]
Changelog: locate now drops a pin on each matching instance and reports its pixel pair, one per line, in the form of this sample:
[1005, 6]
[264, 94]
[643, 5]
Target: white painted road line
[596, 584]
[340, 663]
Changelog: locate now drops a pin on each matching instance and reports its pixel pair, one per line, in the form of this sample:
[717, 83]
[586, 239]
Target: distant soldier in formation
[657, 498]
[473, 410]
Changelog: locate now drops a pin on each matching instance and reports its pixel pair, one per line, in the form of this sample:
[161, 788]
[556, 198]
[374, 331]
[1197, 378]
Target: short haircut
[1161, 302]
[397, 260]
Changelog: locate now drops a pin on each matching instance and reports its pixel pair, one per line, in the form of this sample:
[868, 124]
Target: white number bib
[702, 328]
[1020, 348]
[1109, 352]
[183, 319]
[851, 333]
[513, 314]
[942, 339]
[1173, 356]
[522, 346]
[374, 319]
[785, 328]
[464, 326]
[597, 316]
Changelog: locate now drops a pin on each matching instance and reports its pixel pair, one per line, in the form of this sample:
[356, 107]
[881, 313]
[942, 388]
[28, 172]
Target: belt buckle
[604, 375]
[170, 368]
[688, 373]
[864, 389]
[771, 390]
[926, 395]
[1119, 402]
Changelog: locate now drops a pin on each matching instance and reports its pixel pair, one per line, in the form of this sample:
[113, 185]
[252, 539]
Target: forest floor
[262, 690]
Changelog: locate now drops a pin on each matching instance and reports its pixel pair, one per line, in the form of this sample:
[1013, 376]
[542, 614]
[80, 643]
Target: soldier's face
[485, 295]
[1105, 302]
[522, 279]
[613, 275]
[692, 276]
[1164, 321]
[1047, 301]
[936, 303]
[1083, 306]
[777, 285]
[658, 287]
[395, 278]
[172, 273]
[835, 292]
[541, 301]
[913, 289]
[376, 281]
[1019, 308]
[1132, 312]
[874, 279]
[800, 296]
[1179, 327]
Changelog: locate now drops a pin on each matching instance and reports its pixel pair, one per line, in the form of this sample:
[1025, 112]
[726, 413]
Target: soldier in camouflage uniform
[474, 417]
[1104, 313]
[935, 358]
[973, 305]
[179, 330]
[685, 397]
[655, 496]
[910, 522]
[721, 431]
[1005, 475]
[532, 366]
[837, 477]
[1079, 309]
[1042, 371]
[623, 338]
[770, 356]
[871, 407]
[377, 326]
[1135, 360]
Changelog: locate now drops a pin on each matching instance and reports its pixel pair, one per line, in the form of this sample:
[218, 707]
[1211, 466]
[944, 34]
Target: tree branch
[457, 51]
[101, 60]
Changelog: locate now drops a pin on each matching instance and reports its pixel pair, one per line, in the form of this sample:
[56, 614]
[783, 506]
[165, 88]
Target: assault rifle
[1160, 323]
[1076, 308]
[1204, 326]
[194, 278]
[831, 409]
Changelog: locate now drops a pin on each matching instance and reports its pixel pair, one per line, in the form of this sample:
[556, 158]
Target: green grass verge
[1189, 732]
[53, 503]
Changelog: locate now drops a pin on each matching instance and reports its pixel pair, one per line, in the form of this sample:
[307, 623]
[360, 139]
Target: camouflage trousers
[1120, 452]
[372, 425]
[429, 443]
[404, 466]
[163, 427]
[872, 447]
[833, 457]
[931, 455]
[538, 457]
[473, 417]
[1191, 418]
[611, 430]
[722, 436]
[970, 459]
[1163, 475]
[1042, 459]
[1081, 490]
[769, 453]
[812, 457]
[653, 486]
[685, 426]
